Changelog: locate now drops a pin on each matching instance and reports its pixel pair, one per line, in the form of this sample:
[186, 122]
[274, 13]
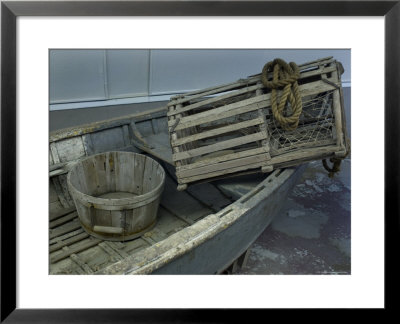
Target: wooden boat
[202, 230]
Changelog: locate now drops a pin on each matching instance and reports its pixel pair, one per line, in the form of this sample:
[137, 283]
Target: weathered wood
[303, 154]
[219, 146]
[63, 220]
[298, 146]
[64, 187]
[217, 131]
[264, 129]
[247, 89]
[210, 196]
[54, 153]
[66, 228]
[156, 235]
[337, 112]
[208, 124]
[108, 229]
[110, 251]
[60, 192]
[105, 124]
[181, 204]
[138, 136]
[245, 106]
[68, 241]
[119, 250]
[117, 193]
[224, 166]
[59, 213]
[213, 160]
[88, 144]
[75, 249]
[70, 149]
[85, 267]
[222, 172]
[213, 100]
[161, 147]
[207, 92]
[65, 236]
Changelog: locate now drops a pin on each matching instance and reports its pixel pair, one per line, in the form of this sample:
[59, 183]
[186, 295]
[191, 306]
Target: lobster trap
[235, 128]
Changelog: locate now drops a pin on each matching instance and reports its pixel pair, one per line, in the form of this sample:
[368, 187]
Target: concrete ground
[312, 234]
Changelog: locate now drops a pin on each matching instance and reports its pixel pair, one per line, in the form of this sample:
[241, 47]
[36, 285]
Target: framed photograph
[33, 31]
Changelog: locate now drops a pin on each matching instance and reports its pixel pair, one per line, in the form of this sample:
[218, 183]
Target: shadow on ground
[312, 233]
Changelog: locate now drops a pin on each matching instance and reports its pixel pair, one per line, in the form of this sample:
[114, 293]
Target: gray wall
[82, 76]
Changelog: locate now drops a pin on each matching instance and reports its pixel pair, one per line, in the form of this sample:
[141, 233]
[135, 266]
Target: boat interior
[71, 249]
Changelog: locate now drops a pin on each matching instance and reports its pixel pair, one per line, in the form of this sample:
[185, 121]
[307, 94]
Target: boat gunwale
[65, 133]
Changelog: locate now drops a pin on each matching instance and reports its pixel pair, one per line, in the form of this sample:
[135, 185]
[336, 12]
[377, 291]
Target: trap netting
[316, 126]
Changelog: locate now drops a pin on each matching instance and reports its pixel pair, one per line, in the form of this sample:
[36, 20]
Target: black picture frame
[10, 10]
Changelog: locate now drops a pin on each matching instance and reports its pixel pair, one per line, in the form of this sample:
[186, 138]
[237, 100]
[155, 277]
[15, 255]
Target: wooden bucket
[229, 129]
[117, 194]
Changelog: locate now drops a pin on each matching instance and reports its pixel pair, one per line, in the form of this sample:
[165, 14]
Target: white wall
[89, 78]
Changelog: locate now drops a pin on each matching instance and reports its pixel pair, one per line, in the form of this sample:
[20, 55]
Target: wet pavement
[312, 234]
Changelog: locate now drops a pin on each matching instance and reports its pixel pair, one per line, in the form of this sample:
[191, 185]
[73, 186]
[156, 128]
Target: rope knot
[284, 76]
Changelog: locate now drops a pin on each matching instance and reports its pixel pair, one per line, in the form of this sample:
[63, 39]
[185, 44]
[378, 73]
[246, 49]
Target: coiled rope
[284, 75]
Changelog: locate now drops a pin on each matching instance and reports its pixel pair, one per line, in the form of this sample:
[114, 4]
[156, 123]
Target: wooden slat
[320, 61]
[245, 106]
[230, 110]
[60, 193]
[246, 89]
[109, 250]
[250, 160]
[232, 156]
[156, 235]
[304, 153]
[63, 220]
[105, 124]
[78, 260]
[231, 86]
[69, 227]
[214, 99]
[308, 65]
[321, 71]
[66, 236]
[210, 175]
[337, 111]
[71, 240]
[61, 212]
[263, 126]
[117, 249]
[217, 131]
[219, 146]
[75, 249]
[210, 91]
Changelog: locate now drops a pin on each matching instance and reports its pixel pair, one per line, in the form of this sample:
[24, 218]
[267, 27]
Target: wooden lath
[229, 128]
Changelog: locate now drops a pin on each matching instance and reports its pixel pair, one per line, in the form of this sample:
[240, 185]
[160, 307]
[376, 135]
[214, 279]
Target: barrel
[116, 194]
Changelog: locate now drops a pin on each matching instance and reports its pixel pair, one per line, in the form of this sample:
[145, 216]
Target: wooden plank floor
[73, 251]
